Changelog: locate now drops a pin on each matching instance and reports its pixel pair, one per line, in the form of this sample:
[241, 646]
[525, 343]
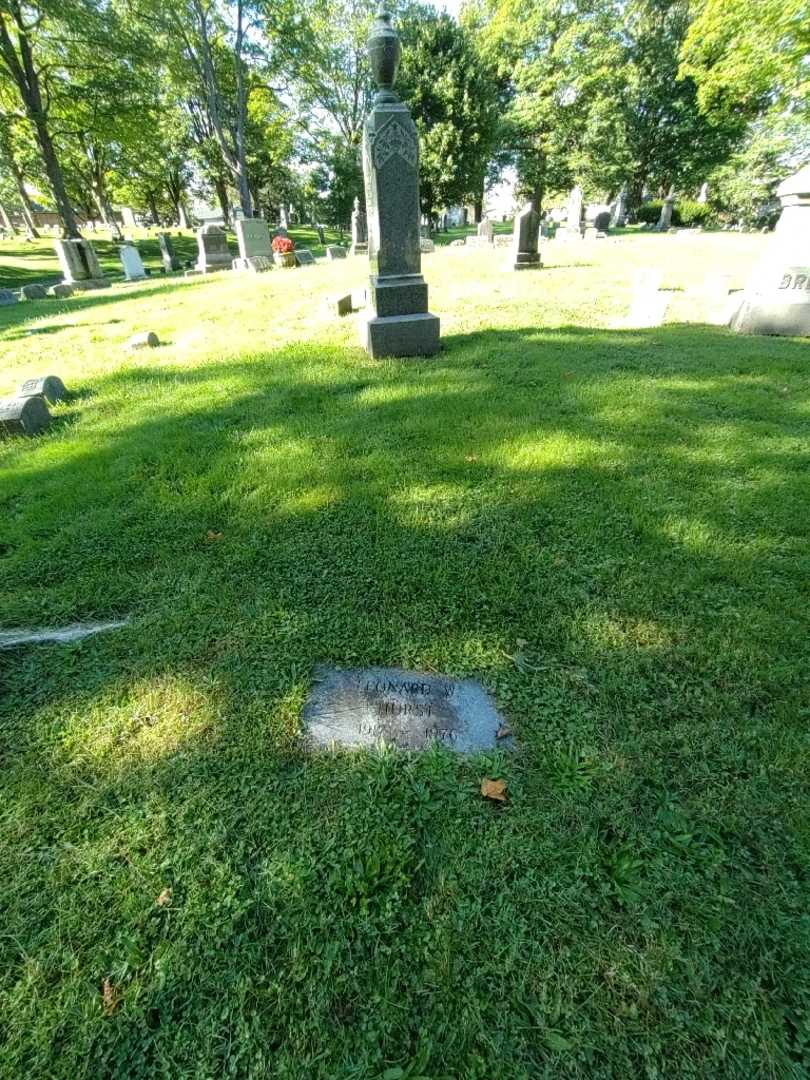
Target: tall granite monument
[399, 323]
[777, 296]
[359, 230]
[525, 239]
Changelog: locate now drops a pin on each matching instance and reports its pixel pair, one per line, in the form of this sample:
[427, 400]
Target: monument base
[86, 283]
[527, 260]
[359, 249]
[253, 264]
[400, 335]
[763, 316]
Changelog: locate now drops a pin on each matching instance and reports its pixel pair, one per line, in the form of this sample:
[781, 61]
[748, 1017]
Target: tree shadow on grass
[606, 527]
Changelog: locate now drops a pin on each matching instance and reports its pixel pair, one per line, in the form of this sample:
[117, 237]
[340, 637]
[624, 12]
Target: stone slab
[60, 292]
[304, 257]
[23, 416]
[335, 252]
[408, 710]
[7, 297]
[398, 296]
[50, 387]
[400, 335]
[33, 292]
[253, 237]
[253, 264]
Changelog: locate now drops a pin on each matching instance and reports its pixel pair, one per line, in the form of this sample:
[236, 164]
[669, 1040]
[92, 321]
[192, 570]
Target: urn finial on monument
[398, 323]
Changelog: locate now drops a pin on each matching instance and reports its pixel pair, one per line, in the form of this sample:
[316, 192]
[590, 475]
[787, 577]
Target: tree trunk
[241, 117]
[22, 69]
[153, 210]
[7, 151]
[6, 221]
[478, 211]
[224, 203]
[182, 215]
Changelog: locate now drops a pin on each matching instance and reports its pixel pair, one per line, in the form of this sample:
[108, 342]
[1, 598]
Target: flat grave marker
[410, 710]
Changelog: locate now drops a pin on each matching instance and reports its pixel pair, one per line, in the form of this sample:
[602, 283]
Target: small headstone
[131, 262]
[23, 416]
[427, 247]
[304, 257]
[359, 230]
[340, 305]
[359, 298]
[526, 239]
[619, 213]
[703, 197]
[486, 232]
[573, 221]
[33, 292]
[50, 387]
[404, 709]
[319, 229]
[171, 262]
[459, 243]
[335, 252]
[254, 264]
[665, 220]
[147, 339]
[212, 249]
[502, 240]
[7, 297]
[60, 292]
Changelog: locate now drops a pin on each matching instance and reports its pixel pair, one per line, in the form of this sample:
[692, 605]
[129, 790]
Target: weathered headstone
[649, 305]
[572, 230]
[334, 251]
[486, 231]
[618, 214]
[665, 219]
[359, 230]
[407, 710]
[60, 292]
[426, 246]
[526, 239]
[319, 229]
[255, 245]
[399, 323]
[131, 262]
[703, 197]
[146, 339]
[171, 262]
[304, 257]
[80, 264]
[7, 297]
[212, 249]
[33, 292]
[23, 416]
[777, 296]
[50, 387]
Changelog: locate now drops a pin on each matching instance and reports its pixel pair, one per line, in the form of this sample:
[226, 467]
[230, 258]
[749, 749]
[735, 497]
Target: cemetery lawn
[607, 527]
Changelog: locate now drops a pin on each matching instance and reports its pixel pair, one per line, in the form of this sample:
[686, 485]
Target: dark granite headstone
[406, 709]
[304, 257]
[23, 416]
[399, 323]
[167, 253]
[526, 238]
[334, 251]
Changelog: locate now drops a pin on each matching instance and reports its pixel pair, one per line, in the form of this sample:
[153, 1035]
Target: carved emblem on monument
[394, 139]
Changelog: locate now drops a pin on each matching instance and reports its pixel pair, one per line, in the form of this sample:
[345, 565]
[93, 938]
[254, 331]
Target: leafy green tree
[747, 55]
[455, 98]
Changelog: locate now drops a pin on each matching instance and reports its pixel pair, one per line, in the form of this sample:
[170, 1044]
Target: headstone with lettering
[255, 245]
[777, 296]
[23, 416]
[80, 264]
[398, 322]
[212, 249]
[408, 710]
[171, 262]
[131, 262]
[359, 230]
[334, 251]
[50, 387]
[304, 257]
[526, 239]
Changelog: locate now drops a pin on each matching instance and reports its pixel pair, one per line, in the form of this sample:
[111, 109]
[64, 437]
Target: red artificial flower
[283, 245]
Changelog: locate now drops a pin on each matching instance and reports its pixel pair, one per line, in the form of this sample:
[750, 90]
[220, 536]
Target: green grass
[23, 262]
[608, 528]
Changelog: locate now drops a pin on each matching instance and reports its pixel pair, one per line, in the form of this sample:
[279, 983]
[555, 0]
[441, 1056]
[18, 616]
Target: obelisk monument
[399, 323]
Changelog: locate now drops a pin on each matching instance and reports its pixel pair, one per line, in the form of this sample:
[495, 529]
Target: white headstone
[131, 262]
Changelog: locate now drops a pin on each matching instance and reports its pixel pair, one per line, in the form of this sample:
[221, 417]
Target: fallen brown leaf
[503, 732]
[110, 997]
[164, 898]
[211, 535]
[494, 789]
